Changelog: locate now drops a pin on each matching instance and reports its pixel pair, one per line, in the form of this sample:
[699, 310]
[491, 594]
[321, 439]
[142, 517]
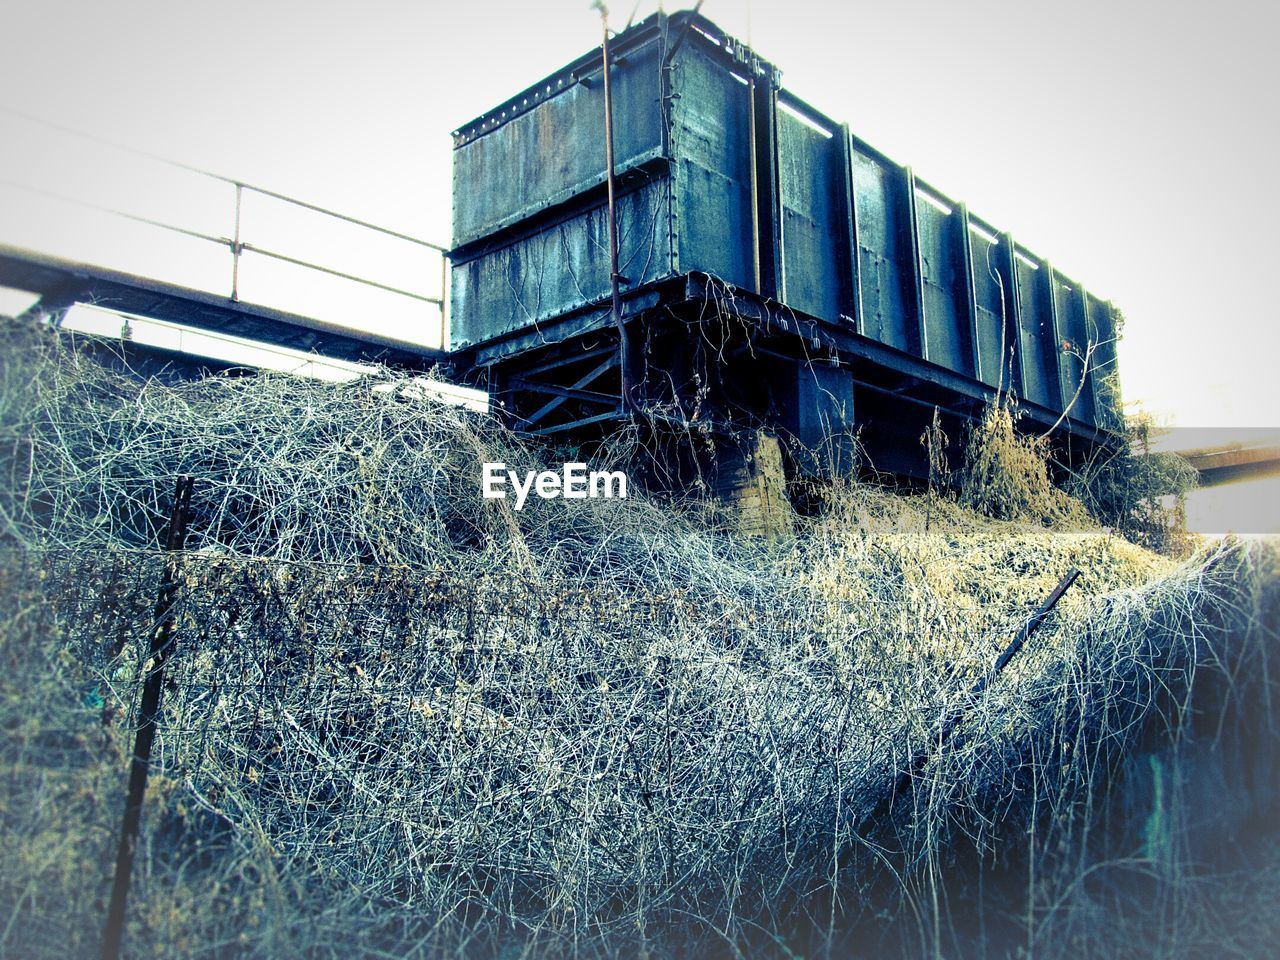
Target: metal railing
[236, 243]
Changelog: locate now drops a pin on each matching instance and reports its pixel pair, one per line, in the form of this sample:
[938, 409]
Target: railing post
[444, 299]
[236, 246]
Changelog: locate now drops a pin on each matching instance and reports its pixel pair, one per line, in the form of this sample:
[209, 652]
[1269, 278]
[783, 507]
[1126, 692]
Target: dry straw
[412, 722]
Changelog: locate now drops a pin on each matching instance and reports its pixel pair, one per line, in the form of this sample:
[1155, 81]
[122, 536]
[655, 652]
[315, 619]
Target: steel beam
[142, 296]
[595, 373]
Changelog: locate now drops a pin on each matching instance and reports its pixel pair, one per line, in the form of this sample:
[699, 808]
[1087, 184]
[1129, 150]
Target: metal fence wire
[508, 757]
[382, 713]
[535, 746]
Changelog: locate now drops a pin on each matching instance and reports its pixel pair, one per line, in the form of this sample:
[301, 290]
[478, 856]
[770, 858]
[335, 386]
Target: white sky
[1133, 144]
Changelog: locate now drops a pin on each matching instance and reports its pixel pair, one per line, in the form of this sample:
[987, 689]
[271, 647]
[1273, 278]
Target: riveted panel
[1037, 335]
[886, 257]
[942, 262]
[554, 151]
[997, 341]
[560, 268]
[710, 138]
[1076, 346]
[811, 181]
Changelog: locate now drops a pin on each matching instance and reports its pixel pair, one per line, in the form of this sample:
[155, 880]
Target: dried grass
[1005, 473]
[679, 760]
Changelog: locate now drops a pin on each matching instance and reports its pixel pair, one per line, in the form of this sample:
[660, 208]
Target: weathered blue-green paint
[722, 172]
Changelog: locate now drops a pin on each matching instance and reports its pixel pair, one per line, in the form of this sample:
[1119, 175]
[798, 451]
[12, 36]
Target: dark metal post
[917, 262]
[755, 177]
[969, 289]
[1012, 357]
[153, 687]
[615, 278]
[851, 300]
[956, 714]
[1016, 644]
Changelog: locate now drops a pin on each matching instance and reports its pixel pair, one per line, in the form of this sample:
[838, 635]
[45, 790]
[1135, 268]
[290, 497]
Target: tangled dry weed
[406, 722]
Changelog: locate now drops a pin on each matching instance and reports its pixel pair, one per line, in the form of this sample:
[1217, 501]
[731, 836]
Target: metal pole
[615, 278]
[956, 714]
[444, 300]
[755, 174]
[236, 247]
[153, 687]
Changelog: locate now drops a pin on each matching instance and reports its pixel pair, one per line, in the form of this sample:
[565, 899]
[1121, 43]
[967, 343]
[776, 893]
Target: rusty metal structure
[661, 233]
[776, 271]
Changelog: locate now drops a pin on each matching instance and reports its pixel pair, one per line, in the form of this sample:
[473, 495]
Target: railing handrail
[232, 181]
[236, 243]
[236, 246]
